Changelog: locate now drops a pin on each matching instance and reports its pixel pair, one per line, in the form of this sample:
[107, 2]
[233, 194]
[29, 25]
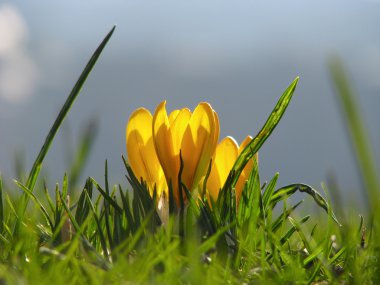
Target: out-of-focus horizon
[240, 57]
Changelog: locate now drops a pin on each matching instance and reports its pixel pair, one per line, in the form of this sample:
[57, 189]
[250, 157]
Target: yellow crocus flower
[141, 151]
[226, 154]
[194, 135]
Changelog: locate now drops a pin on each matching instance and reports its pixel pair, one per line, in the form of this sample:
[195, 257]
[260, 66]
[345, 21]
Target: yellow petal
[173, 115]
[164, 144]
[178, 127]
[140, 149]
[246, 171]
[225, 157]
[244, 143]
[217, 129]
[198, 144]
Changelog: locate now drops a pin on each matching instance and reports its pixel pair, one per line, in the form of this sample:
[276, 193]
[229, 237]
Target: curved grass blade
[289, 190]
[33, 175]
[255, 144]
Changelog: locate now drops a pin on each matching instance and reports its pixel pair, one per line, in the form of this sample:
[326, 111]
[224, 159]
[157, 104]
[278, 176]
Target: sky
[239, 56]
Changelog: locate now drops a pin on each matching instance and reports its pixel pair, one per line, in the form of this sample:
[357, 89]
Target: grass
[105, 234]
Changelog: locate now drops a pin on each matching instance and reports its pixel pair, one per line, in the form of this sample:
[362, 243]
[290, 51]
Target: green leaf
[289, 190]
[271, 123]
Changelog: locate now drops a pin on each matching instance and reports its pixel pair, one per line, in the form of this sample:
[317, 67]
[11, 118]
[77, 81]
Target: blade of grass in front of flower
[33, 175]
[358, 132]
[142, 201]
[248, 207]
[289, 190]
[271, 123]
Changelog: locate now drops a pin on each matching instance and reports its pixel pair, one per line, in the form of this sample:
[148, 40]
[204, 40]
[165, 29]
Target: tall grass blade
[271, 123]
[33, 175]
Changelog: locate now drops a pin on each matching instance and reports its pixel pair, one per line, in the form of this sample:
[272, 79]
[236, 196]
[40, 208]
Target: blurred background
[238, 56]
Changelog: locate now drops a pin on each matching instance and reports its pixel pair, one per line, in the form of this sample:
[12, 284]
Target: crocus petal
[225, 157]
[178, 127]
[246, 171]
[164, 144]
[141, 152]
[173, 115]
[198, 144]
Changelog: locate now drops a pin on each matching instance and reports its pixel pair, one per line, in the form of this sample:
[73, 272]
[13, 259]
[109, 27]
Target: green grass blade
[289, 190]
[107, 211]
[106, 196]
[99, 227]
[83, 208]
[33, 175]
[271, 123]
[293, 229]
[283, 216]
[269, 191]
[358, 133]
[37, 201]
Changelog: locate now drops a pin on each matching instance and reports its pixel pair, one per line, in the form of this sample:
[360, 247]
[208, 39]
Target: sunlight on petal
[141, 152]
[225, 156]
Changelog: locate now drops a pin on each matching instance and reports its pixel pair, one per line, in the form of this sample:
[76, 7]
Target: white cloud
[18, 72]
